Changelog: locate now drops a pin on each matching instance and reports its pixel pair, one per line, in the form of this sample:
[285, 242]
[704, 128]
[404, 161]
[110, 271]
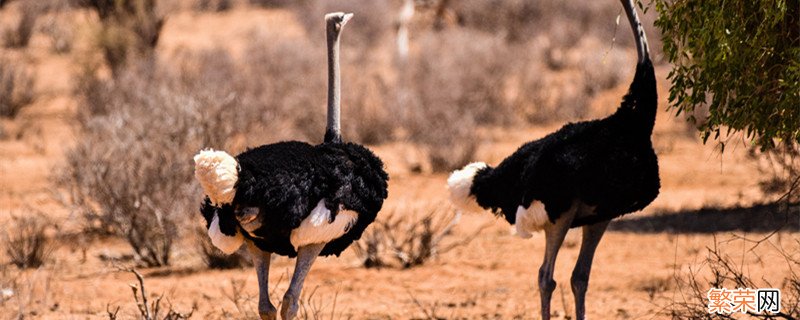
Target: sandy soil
[492, 277]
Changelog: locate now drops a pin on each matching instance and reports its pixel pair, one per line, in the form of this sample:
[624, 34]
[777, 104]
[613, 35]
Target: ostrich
[293, 198]
[583, 175]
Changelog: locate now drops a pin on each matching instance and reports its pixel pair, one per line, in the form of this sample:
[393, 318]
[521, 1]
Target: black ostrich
[293, 198]
[583, 175]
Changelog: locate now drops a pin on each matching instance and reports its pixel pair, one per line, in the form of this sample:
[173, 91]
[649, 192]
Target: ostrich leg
[580, 276]
[305, 258]
[261, 261]
[554, 237]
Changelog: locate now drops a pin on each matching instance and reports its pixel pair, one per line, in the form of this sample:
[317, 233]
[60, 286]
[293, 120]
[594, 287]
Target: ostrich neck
[638, 31]
[333, 132]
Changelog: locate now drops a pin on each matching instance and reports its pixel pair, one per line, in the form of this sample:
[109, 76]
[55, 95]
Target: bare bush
[132, 170]
[780, 169]
[16, 88]
[20, 34]
[368, 105]
[130, 28]
[457, 81]
[270, 3]
[411, 238]
[692, 303]
[61, 36]
[284, 86]
[26, 242]
[520, 20]
[216, 259]
[213, 5]
[545, 96]
[370, 248]
[375, 20]
[602, 69]
[149, 310]
[315, 307]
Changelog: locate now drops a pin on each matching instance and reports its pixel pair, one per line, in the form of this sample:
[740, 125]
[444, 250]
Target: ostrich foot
[289, 306]
[269, 314]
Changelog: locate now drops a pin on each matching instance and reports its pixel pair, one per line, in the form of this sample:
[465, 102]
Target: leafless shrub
[242, 300]
[602, 69]
[216, 259]
[130, 28]
[131, 171]
[61, 36]
[149, 310]
[16, 87]
[375, 21]
[457, 82]
[780, 168]
[284, 86]
[370, 248]
[545, 96]
[368, 108]
[411, 238]
[270, 3]
[692, 302]
[213, 5]
[20, 34]
[26, 242]
[314, 307]
[654, 286]
[520, 20]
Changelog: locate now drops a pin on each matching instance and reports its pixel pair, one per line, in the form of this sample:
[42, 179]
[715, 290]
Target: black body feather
[607, 163]
[286, 180]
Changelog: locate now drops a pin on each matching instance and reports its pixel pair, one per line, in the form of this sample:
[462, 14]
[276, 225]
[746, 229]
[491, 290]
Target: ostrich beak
[346, 17]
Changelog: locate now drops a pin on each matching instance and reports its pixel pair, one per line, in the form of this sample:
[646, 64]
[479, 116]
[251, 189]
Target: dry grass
[692, 301]
[411, 237]
[149, 308]
[26, 242]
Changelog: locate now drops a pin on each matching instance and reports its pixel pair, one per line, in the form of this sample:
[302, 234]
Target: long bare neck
[638, 32]
[333, 132]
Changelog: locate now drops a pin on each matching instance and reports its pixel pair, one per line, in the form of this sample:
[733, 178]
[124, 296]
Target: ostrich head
[460, 185]
[336, 20]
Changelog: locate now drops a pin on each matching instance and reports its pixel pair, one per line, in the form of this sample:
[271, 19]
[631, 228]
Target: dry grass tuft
[692, 300]
[26, 242]
[411, 238]
[148, 309]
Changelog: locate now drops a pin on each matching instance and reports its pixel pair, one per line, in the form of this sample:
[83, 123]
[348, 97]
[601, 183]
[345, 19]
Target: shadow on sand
[758, 218]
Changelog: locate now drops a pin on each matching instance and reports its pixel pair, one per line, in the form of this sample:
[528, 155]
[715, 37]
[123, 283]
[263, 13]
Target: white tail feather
[460, 183]
[217, 172]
